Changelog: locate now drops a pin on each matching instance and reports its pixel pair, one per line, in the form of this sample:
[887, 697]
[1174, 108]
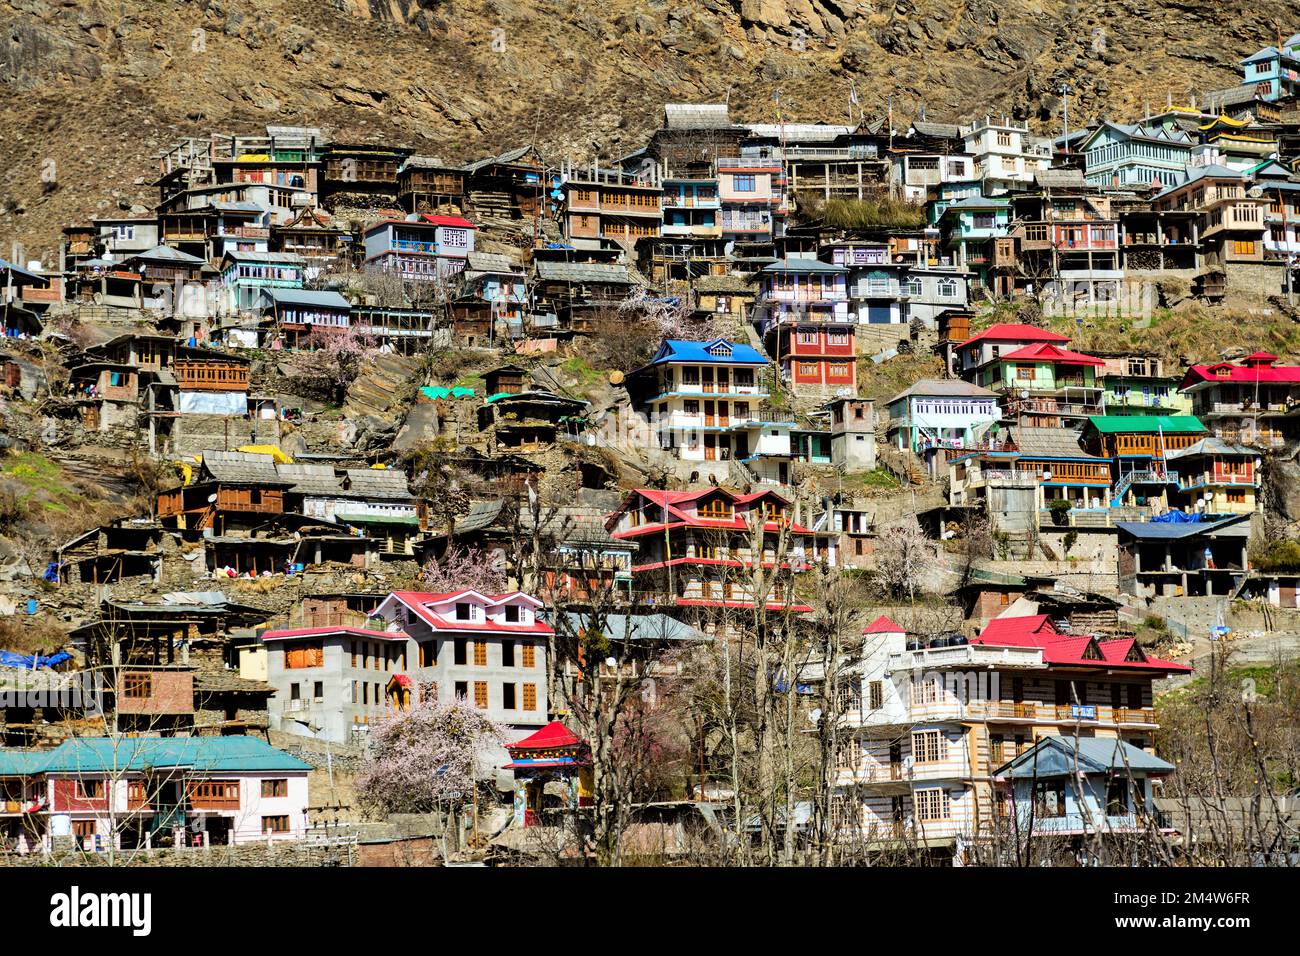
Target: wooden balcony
[215, 795]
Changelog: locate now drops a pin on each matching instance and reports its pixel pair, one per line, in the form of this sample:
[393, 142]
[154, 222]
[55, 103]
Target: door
[724, 380]
[878, 314]
[710, 447]
[742, 447]
[707, 378]
[709, 417]
[723, 413]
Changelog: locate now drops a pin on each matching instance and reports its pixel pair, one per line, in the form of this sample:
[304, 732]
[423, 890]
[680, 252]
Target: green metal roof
[118, 754]
[1114, 424]
[378, 519]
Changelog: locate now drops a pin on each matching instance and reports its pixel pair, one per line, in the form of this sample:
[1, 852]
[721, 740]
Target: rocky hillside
[93, 89]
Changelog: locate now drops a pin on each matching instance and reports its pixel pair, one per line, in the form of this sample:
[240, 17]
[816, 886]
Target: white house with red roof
[420, 247]
[1252, 402]
[487, 648]
[333, 682]
[697, 548]
[938, 718]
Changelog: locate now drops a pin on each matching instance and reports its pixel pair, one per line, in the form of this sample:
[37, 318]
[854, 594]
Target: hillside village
[975, 447]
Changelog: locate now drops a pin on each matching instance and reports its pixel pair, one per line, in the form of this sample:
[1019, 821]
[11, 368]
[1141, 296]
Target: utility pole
[1065, 89]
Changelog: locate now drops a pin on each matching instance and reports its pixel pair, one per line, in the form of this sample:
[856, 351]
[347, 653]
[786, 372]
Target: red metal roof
[290, 633]
[883, 625]
[1258, 367]
[450, 221]
[1017, 332]
[1047, 352]
[1037, 630]
[551, 737]
[420, 601]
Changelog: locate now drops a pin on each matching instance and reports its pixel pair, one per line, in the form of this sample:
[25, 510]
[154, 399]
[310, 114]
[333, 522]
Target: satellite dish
[611, 662]
[814, 715]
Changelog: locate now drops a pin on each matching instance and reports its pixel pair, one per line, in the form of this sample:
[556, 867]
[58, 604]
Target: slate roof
[938, 130]
[1211, 446]
[1036, 442]
[1058, 178]
[311, 297]
[943, 388]
[240, 467]
[603, 272]
[639, 627]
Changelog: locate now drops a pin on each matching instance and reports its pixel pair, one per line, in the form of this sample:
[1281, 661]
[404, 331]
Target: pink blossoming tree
[427, 757]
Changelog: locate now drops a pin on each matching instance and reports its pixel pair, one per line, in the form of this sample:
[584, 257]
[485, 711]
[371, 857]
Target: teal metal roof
[118, 754]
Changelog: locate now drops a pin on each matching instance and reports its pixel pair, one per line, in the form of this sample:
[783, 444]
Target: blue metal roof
[1157, 530]
[1057, 756]
[718, 351]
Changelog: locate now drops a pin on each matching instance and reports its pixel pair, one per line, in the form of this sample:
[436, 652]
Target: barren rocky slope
[93, 89]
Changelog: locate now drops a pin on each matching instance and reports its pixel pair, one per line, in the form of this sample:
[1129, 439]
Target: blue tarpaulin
[1178, 517]
[10, 659]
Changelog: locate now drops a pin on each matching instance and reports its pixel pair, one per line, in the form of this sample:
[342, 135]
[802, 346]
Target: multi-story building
[699, 548]
[938, 417]
[1255, 401]
[802, 312]
[1136, 384]
[1068, 245]
[913, 174]
[707, 404]
[970, 229]
[333, 682]
[1018, 476]
[1137, 446]
[1217, 477]
[1041, 382]
[420, 248]
[751, 190]
[610, 204]
[691, 207]
[1006, 154]
[245, 276]
[1274, 71]
[1231, 228]
[1119, 155]
[935, 722]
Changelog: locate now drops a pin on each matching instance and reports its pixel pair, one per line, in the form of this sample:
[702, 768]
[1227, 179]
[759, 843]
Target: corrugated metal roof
[1058, 757]
[696, 115]
[944, 387]
[1125, 424]
[312, 297]
[219, 754]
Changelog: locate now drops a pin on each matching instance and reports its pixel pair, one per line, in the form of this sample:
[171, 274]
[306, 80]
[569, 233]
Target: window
[929, 746]
[89, 789]
[876, 694]
[743, 183]
[1049, 798]
[294, 693]
[507, 696]
[480, 653]
[530, 697]
[429, 654]
[932, 805]
[512, 614]
[984, 220]
[275, 788]
[464, 611]
[458, 656]
[276, 824]
[137, 686]
[480, 694]
[304, 654]
[948, 290]
[1135, 696]
[462, 689]
[1243, 247]
[529, 656]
